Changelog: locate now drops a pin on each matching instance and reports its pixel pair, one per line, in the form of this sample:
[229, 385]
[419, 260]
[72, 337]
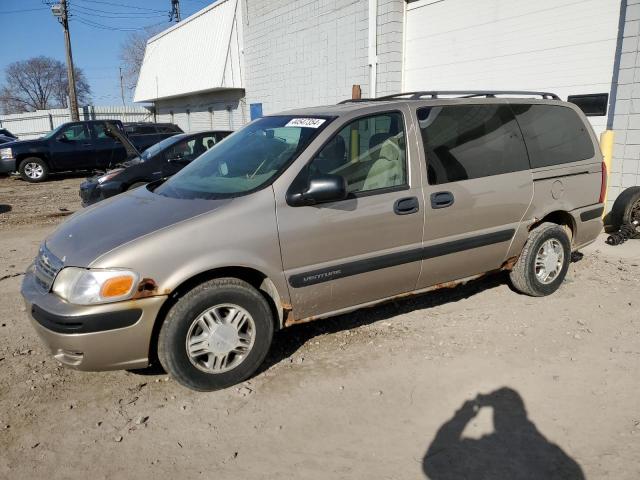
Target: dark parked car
[144, 134]
[7, 133]
[159, 161]
[71, 147]
[5, 139]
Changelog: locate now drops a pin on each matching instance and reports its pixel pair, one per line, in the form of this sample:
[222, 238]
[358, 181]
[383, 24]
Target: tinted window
[168, 129]
[99, 130]
[75, 133]
[593, 105]
[369, 153]
[463, 142]
[554, 134]
[140, 129]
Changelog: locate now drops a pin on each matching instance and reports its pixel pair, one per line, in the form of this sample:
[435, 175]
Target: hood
[96, 230]
[24, 144]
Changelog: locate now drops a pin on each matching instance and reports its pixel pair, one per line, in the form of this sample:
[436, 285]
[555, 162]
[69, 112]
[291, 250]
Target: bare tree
[132, 54]
[39, 83]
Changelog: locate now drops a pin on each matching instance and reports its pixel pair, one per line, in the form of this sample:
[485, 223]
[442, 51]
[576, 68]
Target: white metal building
[192, 72]
[239, 58]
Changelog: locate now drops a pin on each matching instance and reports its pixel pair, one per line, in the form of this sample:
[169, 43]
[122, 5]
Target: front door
[346, 253]
[477, 188]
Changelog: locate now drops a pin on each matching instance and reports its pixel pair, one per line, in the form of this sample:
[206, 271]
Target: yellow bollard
[606, 147]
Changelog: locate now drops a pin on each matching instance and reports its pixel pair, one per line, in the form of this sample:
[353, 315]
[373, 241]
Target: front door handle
[442, 199]
[405, 206]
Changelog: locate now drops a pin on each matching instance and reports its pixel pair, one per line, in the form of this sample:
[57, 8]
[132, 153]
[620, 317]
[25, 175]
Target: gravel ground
[472, 382]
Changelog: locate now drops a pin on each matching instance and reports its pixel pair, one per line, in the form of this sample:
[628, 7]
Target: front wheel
[217, 335]
[544, 261]
[33, 170]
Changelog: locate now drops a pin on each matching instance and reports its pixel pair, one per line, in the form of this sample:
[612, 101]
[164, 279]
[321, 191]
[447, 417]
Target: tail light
[603, 185]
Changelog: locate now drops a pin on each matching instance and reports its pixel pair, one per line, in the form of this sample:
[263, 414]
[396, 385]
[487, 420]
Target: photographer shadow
[515, 450]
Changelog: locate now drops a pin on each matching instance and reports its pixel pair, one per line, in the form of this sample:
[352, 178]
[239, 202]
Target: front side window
[370, 153]
[75, 133]
[247, 160]
[554, 134]
[463, 142]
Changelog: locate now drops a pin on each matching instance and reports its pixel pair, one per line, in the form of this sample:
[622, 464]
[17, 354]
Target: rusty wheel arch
[253, 277]
[559, 217]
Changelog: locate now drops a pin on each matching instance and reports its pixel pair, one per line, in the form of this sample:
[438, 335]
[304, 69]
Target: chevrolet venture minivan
[313, 213]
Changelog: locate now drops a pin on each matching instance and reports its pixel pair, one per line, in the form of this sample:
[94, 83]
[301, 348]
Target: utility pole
[122, 87]
[61, 12]
[175, 11]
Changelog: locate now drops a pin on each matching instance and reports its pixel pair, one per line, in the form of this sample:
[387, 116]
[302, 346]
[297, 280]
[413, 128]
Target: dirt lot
[389, 392]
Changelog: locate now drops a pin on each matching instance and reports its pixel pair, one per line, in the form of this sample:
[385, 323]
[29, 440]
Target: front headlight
[6, 153]
[109, 175]
[88, 287]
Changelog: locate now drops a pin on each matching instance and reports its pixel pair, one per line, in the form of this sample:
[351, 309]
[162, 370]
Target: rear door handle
[442, 199]
[405, 206]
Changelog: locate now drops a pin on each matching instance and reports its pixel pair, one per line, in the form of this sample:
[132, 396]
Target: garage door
[562, 46]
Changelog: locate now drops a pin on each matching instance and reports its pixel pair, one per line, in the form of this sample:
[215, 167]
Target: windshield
[158, 147]
[246, 160]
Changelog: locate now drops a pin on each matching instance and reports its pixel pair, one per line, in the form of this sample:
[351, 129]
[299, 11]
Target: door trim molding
[357, 267]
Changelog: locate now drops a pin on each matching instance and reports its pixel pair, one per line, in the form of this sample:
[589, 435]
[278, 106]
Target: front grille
[47, 266]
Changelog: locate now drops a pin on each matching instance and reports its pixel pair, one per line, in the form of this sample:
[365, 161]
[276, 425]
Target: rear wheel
[33, 170]
[626, 208]
[217, 335]
[544, 261]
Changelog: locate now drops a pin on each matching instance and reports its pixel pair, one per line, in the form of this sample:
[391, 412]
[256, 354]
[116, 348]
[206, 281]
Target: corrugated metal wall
[35, 124]
[200, 53]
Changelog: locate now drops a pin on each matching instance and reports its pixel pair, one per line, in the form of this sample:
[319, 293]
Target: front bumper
[8, 165]
[113, 336]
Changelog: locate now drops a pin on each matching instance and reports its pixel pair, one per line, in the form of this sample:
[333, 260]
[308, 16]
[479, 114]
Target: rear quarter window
[554, 134]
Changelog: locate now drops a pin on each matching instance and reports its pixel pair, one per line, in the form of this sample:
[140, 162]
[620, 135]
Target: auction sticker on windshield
[305, 122]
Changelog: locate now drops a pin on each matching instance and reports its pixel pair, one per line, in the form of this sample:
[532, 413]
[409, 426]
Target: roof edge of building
[190, 94]
[191, 17]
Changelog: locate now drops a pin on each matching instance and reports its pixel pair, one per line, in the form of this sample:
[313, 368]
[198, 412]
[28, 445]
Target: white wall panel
[563, 46]
[201, 53]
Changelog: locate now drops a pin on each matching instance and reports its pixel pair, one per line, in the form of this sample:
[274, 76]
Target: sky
[98, 28]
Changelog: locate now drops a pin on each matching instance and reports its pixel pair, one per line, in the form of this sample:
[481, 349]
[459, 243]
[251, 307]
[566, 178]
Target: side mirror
[322, 188]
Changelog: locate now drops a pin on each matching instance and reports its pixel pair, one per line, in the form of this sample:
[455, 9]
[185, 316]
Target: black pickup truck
[77, 146]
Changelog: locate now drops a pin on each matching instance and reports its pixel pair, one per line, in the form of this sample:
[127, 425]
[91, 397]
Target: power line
[92, 11]
[3, 12]
[91, 23]
[102, 2]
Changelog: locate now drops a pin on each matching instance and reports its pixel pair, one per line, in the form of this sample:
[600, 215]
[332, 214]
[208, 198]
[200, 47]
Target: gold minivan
[316, 212]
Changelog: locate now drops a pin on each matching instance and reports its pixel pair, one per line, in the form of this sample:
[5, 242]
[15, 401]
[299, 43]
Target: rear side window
[463, 142]
[168, 129]
[554, 134]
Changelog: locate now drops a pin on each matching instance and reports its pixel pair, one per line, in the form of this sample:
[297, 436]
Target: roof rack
[457, 93]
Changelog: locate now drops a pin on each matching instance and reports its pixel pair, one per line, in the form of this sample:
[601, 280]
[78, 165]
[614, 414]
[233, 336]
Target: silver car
[313, 213]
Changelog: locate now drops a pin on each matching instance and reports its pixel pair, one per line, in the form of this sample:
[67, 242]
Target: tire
[33, 170]
[626, 208]
[205, 370]
[524, 277]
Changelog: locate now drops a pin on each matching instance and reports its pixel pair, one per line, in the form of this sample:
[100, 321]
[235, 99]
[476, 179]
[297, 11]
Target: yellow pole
[606, 147]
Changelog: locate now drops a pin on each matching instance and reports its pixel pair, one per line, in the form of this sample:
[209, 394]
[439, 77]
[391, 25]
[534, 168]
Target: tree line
[40, 83]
